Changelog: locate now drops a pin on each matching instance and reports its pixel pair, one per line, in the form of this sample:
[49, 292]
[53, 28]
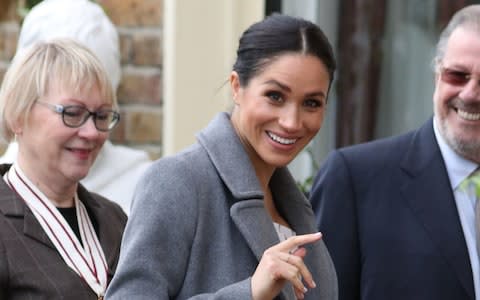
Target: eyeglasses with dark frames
[455, 77]
[74, 116]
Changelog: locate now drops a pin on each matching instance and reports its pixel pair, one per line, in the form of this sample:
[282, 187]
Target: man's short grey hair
[467, 17]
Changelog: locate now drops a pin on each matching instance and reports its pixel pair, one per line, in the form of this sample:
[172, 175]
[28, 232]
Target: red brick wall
[139, 23]
[9, 29]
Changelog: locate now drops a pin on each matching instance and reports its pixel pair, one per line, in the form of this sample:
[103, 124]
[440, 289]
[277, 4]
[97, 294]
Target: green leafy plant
[24, 6]
[306, 185]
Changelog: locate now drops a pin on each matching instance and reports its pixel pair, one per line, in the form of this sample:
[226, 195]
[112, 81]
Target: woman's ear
[16, 126]
[235, 85]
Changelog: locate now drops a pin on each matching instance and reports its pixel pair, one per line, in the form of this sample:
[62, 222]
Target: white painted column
[200, 42]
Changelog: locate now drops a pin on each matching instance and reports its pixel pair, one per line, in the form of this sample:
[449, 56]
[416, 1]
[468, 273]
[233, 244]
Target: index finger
[297, 241]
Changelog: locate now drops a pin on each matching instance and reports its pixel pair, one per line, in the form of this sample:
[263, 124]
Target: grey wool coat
[198, 226]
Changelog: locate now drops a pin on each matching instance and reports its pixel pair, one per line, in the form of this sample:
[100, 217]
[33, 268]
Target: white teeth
[468, 116]
[281, 140]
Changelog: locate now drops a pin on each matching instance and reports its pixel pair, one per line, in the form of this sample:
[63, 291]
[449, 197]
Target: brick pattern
[9, 30]
[139, 23]
[134, 12]
[8, 10]
[8, 40]
[140, 85]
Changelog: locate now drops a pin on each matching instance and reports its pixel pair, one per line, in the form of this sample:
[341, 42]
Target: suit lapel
[427, 190]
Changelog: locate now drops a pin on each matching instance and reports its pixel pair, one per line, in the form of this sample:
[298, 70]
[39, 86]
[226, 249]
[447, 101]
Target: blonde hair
[61, 63]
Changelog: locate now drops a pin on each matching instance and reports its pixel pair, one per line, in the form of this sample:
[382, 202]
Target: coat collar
[234, 167]
[227, 154]
[11, 205]
[428, 192]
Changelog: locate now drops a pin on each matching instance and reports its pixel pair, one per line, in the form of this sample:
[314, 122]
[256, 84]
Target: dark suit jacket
[31, 267]
[390, 222]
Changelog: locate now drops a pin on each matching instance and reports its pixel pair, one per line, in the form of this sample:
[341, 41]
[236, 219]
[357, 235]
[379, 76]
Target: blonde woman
[57, 240]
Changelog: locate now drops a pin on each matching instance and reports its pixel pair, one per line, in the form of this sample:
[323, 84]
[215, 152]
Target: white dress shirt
[459, 168]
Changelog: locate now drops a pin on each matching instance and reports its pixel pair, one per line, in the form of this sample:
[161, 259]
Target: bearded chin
[464, 146]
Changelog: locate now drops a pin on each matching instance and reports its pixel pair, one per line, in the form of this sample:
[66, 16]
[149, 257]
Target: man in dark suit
[395, 218]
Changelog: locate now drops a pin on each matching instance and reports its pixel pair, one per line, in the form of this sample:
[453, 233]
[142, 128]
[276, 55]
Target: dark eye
[313, 103]
[455, 77]
[73, 111]
[275, 96]
[103, 115]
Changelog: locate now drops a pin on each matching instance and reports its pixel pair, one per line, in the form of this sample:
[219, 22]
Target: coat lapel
[34, 230]
[254, 222]
[12, 206]
[291, 202]
[255, 225]
[297, 211]
[106, 234]
[428, 191]
[235, 168]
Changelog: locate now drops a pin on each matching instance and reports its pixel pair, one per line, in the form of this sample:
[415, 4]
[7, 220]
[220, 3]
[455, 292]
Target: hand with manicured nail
[280, 264]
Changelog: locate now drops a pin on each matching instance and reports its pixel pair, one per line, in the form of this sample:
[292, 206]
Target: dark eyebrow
[286, 88]
[316, 94]
[279, 84]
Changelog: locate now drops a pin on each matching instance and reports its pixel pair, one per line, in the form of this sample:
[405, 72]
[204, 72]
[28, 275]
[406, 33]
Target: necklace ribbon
[88, 261]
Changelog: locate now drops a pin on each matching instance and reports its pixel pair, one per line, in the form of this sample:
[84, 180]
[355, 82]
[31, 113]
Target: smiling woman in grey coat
[224, 219]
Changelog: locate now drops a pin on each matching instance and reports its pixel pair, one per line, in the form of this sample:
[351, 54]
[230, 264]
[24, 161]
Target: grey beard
[469, 149]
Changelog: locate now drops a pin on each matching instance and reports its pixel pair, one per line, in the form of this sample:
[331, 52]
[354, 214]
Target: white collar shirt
[459, 168]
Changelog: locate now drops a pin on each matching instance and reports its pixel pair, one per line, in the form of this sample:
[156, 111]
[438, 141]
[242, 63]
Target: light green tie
[472, 183]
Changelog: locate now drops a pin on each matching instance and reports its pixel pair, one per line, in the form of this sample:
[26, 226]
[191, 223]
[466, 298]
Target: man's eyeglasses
[74, 116]
[455, 77]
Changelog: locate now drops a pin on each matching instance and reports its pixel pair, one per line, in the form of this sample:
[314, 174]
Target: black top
[70, 215]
